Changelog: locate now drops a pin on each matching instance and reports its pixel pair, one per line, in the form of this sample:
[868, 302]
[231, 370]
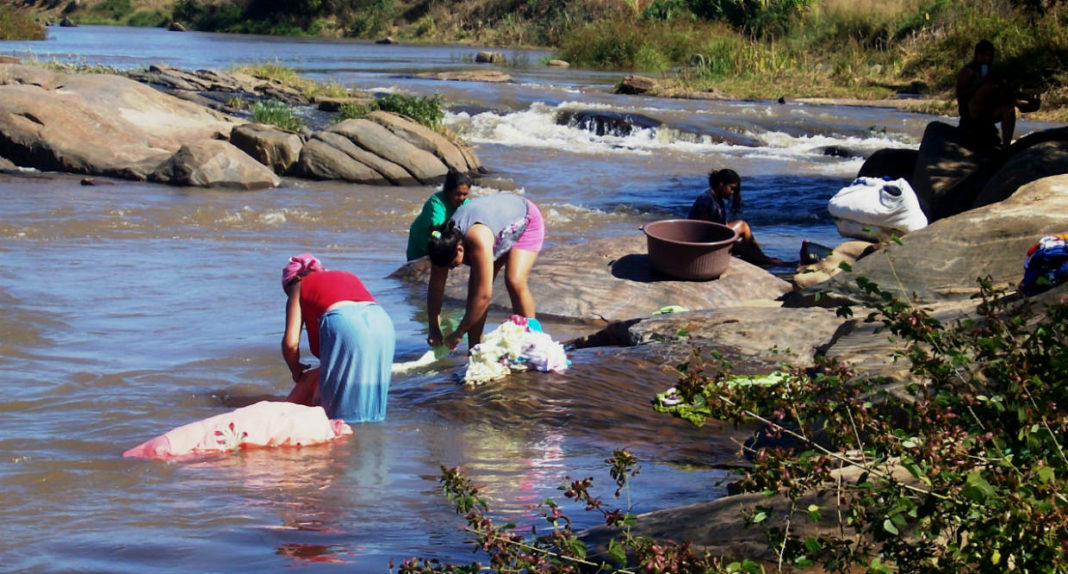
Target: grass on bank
[16, 24]
[835, 49]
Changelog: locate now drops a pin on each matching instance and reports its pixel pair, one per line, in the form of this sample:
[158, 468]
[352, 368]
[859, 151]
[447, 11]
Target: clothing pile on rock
[1046, 265]
[518, 344]
[264, 424]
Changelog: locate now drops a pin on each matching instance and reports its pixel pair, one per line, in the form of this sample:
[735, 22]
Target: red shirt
[320, 290]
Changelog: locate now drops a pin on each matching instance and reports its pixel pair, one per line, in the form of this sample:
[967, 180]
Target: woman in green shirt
[438, 209]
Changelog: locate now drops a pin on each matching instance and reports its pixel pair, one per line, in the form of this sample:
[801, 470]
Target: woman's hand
[298, 370]
[453, 339]
[433, 338]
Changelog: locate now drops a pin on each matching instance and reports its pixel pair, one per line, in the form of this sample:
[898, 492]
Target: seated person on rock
[436, 211]
[983, 99]
[711, 206]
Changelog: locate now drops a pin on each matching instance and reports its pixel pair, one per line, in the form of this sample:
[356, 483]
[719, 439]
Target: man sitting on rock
[983, 100]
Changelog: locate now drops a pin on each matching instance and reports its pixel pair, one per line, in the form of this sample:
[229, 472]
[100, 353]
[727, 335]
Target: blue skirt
[356, 357]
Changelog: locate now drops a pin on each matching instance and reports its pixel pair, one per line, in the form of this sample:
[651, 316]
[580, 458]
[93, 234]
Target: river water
[132, 308]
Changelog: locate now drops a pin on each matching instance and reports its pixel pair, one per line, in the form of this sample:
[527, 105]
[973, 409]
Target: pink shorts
[534, 235]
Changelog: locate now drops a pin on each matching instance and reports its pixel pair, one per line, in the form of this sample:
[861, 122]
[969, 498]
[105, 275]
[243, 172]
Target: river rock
[96, 124]
[215, 163]
[633, 84]
[269, 145]
[943, 160]
[844, 253]
[485, 57]
[331, 104]
[7, 165]
[320, 160]
[895, 163]
[601, 122]
[941, 262]
[1026, 164]
[394, 173]
[610, 279]
[765, 334]
[491, 76]
[425, 139]
[558, 64]
[375, 138]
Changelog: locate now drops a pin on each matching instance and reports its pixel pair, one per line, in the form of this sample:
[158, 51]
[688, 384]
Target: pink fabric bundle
[264, 424]
[300, 265]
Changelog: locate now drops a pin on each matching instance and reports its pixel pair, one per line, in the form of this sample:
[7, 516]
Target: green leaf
[760, 517]
[616, 551]
[578, 547]
[1045, 474]
[888, 525]
[976, 487]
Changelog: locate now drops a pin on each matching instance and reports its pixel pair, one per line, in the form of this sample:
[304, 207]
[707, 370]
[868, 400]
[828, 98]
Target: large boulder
[941, 262]
[215, 163]
[610, 279]
[895, 163]
[755, 334]
[944, 159]
[320, 160]
[96, 124]
[375, 138]
[1033, 157]
[274, 147]
[425, 139]
[392, 172]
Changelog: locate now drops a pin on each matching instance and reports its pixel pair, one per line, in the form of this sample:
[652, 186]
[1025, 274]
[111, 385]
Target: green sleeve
[419, 233]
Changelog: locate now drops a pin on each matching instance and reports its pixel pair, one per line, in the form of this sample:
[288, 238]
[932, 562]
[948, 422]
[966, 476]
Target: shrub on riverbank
[833, 48]
[16, 24]
[969, 474]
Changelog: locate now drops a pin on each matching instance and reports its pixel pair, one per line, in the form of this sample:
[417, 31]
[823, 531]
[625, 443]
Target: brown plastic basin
[688, 248]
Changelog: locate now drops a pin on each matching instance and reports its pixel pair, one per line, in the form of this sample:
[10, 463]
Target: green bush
[276, 113]
[148, 19]
[426, 110]
[980, 442]
[16, 24]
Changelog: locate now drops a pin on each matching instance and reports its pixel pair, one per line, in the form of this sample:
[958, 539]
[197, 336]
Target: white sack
[875, 209]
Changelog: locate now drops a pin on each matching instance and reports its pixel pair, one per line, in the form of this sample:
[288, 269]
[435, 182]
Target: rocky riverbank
[177, 127]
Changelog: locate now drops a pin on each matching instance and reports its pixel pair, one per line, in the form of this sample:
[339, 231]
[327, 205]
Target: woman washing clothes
[487, 233]
[711, 206]
[348, 331]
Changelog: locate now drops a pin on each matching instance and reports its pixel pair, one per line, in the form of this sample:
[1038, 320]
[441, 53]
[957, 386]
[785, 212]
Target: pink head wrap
[300, 265]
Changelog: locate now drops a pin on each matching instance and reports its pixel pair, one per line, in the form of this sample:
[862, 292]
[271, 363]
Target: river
[133, 308]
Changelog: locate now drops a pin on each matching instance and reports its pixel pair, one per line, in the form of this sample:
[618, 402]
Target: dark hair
[443, 242]
[984, 46]
[455, 179]
[730, 177]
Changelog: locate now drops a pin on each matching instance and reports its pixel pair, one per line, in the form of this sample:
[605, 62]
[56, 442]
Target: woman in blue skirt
[348, 331]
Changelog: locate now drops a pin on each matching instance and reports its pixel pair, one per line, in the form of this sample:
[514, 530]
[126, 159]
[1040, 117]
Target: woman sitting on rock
[487, 233]
[711, 206]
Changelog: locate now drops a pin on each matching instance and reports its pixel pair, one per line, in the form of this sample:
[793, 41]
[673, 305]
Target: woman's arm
[478, 250]
[435, 294]
[291, 337]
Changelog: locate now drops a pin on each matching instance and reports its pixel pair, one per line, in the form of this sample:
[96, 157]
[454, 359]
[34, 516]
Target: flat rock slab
[762, 336]
[610, 279]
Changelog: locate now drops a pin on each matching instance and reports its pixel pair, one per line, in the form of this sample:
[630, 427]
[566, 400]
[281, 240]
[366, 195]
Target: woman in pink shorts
[487, 233]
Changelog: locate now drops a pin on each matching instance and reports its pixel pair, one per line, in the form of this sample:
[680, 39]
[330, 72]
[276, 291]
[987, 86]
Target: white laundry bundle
[875, 209]
[518, 344]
